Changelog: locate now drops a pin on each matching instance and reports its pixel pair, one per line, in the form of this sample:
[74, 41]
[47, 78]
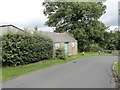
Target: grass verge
[12, 72]
[117, 67]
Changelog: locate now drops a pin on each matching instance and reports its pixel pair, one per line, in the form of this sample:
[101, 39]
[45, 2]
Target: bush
[95, 48]
[20, 49]
[115, 52]
[60, 53]
[108, 51]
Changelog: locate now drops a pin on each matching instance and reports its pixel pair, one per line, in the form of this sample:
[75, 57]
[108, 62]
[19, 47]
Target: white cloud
[21, 11]
[110, 18]
[29, 13]
[46, 29]
[112, 28]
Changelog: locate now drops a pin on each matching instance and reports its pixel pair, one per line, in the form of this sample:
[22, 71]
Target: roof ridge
[12, 26]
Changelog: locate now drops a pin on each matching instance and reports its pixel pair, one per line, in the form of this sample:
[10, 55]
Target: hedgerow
[60, 53]
[25, 48]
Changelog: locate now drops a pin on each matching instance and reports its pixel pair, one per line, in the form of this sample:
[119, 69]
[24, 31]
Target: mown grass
[12, 72]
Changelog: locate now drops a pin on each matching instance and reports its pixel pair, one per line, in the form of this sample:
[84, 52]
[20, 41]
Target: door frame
[66, 47]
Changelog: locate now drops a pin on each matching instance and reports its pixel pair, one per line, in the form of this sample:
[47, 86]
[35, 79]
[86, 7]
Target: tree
[79, 19]
[36, 28]
[111, 40]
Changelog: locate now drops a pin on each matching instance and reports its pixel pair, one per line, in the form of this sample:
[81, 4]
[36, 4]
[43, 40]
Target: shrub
[115, 52]
[95, 48]
[60, 53]
[24, 48]
[108, 51]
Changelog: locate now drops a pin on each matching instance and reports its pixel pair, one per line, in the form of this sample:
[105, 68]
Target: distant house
[9, 28]
[63, 40]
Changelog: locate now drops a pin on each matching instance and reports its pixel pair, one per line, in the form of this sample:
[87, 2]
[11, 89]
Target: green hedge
[20, 49]
[60, 53]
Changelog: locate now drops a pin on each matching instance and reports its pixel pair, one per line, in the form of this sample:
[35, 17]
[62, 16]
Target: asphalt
[91, 72]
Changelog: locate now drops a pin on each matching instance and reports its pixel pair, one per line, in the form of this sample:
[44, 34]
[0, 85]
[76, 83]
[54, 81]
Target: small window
[73, 44]
[57, 45]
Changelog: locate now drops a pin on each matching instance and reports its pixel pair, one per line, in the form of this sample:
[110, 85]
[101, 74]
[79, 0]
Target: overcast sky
[29, 13]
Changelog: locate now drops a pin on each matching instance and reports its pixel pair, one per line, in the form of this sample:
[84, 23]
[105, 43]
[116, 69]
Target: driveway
[91, 72]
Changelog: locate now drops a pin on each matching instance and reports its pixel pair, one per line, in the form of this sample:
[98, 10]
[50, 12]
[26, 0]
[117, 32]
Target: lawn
[12, 72]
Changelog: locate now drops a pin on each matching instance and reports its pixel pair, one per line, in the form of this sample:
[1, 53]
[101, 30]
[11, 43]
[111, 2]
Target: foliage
[115, 52]
[79, 19]
[111, 41]
[25, 48]
[60, 53]
[0, 47]
[95, 47]
[108, 51]
[117, 67]
[0, 55]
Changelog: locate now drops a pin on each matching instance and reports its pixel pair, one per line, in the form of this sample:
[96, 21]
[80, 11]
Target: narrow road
[91, 72]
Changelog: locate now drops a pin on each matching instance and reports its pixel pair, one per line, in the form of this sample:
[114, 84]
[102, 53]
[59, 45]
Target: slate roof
[59, 37]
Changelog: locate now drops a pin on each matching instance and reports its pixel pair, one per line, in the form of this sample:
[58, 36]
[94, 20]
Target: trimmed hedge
[20, 49]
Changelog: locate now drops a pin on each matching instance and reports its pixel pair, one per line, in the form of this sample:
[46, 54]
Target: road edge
[115, 76]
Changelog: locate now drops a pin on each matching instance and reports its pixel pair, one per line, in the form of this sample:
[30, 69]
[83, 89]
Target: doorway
[66, 47]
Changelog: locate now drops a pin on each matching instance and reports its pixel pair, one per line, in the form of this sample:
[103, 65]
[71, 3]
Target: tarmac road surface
[91, 72]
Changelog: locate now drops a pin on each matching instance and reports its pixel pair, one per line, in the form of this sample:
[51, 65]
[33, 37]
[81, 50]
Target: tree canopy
[80, 19]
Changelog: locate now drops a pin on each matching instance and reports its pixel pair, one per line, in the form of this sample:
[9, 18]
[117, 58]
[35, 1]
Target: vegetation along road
[90, 72]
